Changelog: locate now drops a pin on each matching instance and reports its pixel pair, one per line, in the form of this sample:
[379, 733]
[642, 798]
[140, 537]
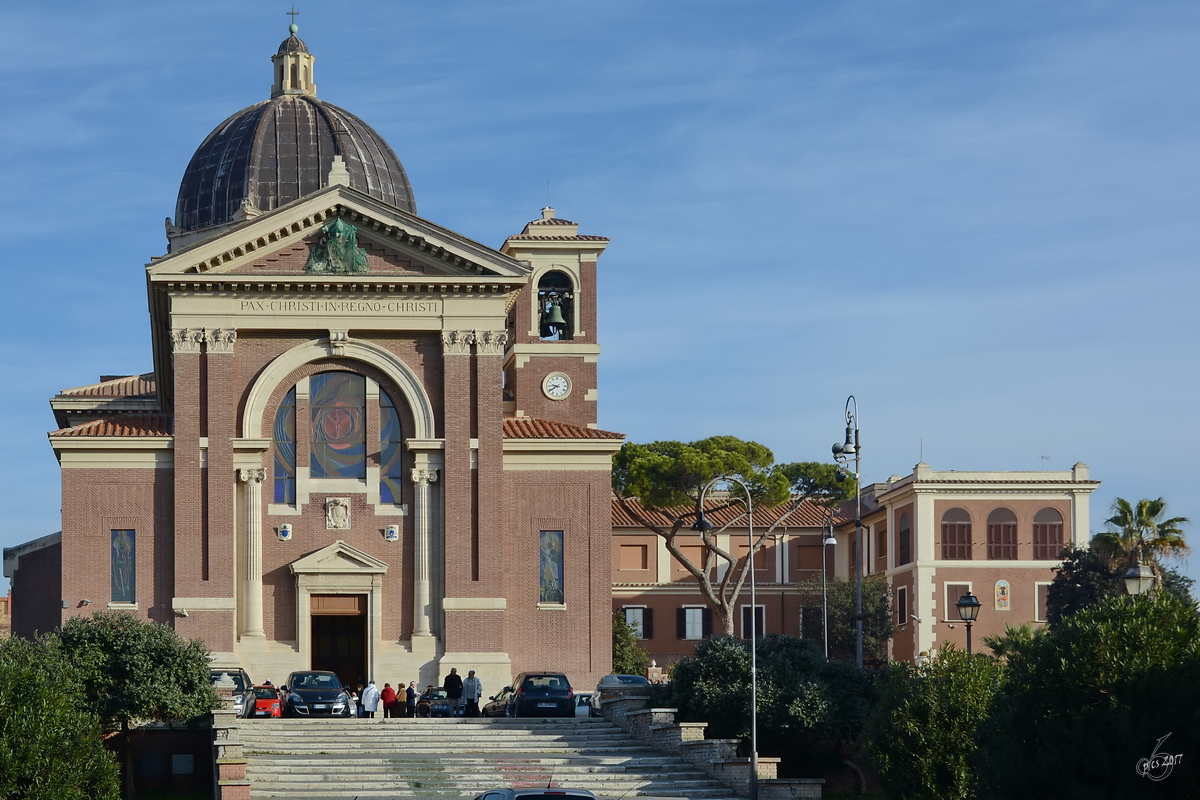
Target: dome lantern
[293, 66]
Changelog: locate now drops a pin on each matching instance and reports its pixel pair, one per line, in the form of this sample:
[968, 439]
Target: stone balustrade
[229, 760]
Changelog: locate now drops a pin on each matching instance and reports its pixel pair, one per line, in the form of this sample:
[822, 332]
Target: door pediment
[338, 558]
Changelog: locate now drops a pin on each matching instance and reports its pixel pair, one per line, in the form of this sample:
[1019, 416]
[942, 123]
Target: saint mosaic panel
[551, 567]
[123, 566]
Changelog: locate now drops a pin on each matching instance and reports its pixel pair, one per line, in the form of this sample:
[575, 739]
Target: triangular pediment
[338, 558]
[397, 245]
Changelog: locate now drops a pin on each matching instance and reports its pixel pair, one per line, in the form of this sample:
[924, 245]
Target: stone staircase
[421, 758]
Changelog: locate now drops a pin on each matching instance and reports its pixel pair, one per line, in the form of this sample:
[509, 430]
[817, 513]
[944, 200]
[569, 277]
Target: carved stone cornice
[186, 340]
[220, 340]
[491, 343]
[252, 475]
[457, 343]
[424, 475]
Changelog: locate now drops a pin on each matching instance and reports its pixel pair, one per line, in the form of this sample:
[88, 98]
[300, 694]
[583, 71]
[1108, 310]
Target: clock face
[556, 386]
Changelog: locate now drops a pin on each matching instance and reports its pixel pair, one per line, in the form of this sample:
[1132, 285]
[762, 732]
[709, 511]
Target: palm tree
[1140, 535]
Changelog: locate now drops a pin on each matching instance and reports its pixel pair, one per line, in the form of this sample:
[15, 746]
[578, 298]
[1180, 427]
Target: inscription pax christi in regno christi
[337, 252]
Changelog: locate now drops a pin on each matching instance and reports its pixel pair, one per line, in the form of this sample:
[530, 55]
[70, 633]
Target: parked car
[433, 702]
[536, 794]
[243, 693]
[542, 694]
[498, 705]
[315, 693]
[610, 682]
[267, 702]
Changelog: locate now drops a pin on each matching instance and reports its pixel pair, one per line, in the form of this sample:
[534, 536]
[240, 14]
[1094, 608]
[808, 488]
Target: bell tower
[550, 370]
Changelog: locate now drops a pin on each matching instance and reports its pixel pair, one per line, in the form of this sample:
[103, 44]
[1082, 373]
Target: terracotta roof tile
[552, 221]
[808, 515]
[131, 425]
[128, 386]
[533, 428]
[534, 237]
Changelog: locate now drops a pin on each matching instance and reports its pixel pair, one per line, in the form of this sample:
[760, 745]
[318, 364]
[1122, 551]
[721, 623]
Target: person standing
[472, 691]
[388, 696]
[370, 700]
[454, 691]
[411, 698]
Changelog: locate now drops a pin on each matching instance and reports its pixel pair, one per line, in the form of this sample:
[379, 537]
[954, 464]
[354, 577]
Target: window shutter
[680, 623]
[648, 623]
[706, 622]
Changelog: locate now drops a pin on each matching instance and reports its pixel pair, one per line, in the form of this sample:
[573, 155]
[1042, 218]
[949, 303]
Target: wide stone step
[406, 758]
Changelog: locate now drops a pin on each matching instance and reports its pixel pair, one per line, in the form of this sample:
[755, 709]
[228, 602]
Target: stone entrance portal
[339, 636]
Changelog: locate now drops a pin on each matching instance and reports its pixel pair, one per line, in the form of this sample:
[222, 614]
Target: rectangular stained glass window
[551, 567]
[339, 432]
[123, 566]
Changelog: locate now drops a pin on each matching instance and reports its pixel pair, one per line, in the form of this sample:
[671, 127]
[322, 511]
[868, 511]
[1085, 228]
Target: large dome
[282, 149]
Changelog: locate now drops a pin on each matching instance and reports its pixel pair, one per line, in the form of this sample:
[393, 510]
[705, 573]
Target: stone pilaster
[422, 519]
[253, 620]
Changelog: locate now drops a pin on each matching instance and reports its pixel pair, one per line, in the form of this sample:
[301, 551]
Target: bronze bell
[554, 316]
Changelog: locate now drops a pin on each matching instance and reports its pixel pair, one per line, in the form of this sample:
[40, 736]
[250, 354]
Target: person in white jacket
[370, 699]
[472, 692]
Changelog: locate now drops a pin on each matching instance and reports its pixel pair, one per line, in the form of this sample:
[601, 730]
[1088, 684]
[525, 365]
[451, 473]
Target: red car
[266, 702]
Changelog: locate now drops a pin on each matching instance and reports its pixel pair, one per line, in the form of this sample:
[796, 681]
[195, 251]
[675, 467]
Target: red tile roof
[131, 425]
[128, 386]
[533, 428]
[808, 515]
[552, 221]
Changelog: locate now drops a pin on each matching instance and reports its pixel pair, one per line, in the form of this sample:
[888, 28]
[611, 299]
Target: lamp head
[702, 524]
[829, 540]
[968, 607]
[1138, 579]
[848, 448]
[837, 449]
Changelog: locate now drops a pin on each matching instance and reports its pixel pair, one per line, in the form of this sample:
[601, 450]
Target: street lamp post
[702, 524]
[968, 611]
[841, 454]
[825, 542]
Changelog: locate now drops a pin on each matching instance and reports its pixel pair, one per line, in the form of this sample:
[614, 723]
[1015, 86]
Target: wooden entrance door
[339, 636]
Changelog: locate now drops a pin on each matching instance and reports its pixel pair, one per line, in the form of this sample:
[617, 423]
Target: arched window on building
[956, 534]
[1047, 534]
[904, 543]
[284, 447]
[295, 77]
[556, 306]
[1002, 534]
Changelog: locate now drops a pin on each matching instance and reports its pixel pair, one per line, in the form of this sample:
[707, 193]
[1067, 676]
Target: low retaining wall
[717, 757]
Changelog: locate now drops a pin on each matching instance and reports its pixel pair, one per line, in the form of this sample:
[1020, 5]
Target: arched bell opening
[556, 306]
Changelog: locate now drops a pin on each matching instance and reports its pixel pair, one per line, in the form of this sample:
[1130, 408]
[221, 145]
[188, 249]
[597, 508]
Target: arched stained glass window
[339, 432]
[284, 446]
[390, 452]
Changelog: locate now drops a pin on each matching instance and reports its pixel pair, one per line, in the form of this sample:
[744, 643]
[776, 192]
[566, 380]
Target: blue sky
[981, 219]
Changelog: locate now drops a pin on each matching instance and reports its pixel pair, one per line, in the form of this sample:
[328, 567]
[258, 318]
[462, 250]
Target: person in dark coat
[412, 694]
[454, 691]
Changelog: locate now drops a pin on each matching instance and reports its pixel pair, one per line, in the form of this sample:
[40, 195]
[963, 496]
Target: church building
[367, 443]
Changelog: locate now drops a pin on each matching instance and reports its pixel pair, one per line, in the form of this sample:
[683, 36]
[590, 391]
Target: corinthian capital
[220, 340]
[457, 342]
[426, 475]
[186, 340]
[491, 343]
